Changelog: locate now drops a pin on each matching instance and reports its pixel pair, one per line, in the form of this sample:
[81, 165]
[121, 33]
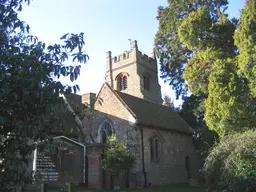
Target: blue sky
[107, 25]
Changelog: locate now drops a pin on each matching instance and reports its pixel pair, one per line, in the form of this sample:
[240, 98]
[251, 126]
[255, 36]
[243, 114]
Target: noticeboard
[67, 164]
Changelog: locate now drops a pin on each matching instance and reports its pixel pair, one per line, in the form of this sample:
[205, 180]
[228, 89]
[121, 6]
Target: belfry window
[125, 82]
[122, 83]
[146, 83]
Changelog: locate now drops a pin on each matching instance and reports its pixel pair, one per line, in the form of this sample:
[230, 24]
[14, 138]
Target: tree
[118, 160]
[173, 53]
[231, 165]
[212, 69]
[245, 40]
[30, 91]
[229, 106]
[218, 67]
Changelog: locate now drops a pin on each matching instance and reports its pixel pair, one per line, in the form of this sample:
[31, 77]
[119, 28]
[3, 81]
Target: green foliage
[198, 70]
[174, 54]
[118, 160]
[216, 69]
[193, 29]
[203, 50]
[29, 91]
[245, 40]
[231, 165]
[229, 107]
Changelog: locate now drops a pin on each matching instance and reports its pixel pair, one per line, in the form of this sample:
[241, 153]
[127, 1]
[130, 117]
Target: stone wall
[123, 125]
[174, 148]
[136, 65]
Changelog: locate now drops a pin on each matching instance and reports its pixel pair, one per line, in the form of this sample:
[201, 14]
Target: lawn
[171, 188]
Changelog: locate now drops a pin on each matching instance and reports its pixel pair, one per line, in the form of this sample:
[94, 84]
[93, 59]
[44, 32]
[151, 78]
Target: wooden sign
[67, 164]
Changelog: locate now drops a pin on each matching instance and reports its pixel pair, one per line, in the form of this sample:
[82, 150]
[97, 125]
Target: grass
[170, 188]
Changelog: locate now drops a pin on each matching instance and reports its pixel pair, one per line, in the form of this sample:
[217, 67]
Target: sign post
[44, 187]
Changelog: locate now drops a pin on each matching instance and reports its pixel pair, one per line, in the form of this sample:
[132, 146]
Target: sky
[107, 25]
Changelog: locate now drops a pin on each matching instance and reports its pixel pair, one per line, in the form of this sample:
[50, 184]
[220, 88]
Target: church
[129, 105]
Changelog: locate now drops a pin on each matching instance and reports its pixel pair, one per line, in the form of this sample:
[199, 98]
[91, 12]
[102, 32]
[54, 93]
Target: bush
[118, 160]
[231, 165]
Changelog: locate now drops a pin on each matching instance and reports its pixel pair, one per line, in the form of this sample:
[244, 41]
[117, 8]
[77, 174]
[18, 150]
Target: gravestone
[67, 164]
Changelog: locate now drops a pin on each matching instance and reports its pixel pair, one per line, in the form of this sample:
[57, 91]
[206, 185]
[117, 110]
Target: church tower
[134, 73]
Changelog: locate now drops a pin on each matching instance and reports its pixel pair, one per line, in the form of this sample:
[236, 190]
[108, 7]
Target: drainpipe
[143, 158]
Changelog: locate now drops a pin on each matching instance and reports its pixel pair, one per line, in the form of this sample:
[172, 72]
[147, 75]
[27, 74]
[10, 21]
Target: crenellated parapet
[134, 55]
[126, 55]
[146, 58]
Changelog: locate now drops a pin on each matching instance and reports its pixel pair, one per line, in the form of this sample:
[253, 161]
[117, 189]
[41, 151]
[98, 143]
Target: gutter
[143, 157]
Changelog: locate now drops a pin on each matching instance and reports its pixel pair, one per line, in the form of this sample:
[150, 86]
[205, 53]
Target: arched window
[122, 81]
[103, 136]
[146, 83]
[155, 149]
[125, 82]
[105, 132]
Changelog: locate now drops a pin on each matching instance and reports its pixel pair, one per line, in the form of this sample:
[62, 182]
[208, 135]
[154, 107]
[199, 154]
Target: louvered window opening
[122, 83]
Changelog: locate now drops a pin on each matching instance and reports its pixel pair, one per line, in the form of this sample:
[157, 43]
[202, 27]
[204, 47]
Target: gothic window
[146, 83]
[105, 132]
[122, 82]
[155, 149]
[103, 136]
[125, 82]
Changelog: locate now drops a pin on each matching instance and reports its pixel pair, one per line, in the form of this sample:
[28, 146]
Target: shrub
[231, 165]
[118, 160]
